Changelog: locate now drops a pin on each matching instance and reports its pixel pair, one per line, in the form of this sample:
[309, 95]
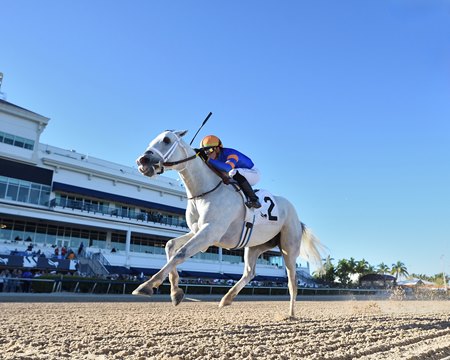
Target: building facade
[52, 198]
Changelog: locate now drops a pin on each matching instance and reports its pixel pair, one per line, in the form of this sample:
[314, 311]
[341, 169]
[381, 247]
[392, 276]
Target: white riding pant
[252, 175]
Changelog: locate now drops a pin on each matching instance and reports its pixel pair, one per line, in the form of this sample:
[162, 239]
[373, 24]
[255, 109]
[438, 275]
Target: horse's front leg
[201, 240]
[172, 246]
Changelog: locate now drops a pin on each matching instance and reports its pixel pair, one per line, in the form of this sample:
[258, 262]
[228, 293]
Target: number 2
[271, 206]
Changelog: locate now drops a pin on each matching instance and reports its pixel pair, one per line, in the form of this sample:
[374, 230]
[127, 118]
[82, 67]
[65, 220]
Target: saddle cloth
[267, 214]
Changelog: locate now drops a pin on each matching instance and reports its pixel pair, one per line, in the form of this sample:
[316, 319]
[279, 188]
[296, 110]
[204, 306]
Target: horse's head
[159, 151]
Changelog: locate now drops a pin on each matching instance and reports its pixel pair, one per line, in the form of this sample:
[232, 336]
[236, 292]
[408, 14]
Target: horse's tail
[311, 247]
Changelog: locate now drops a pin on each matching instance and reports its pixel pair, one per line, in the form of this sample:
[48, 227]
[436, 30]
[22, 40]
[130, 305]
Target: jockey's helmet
[210, 141]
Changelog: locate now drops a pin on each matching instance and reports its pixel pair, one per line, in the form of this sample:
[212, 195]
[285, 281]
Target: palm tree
[383, 268]
[352, 265]
[362, 267]
[330, 272]
[399, 269]
[327, 262]
[327, 273]
[343, 271]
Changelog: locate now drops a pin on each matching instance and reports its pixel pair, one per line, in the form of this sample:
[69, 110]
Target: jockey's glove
[201, 152]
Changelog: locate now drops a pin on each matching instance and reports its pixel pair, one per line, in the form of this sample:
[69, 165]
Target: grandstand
[111, 218]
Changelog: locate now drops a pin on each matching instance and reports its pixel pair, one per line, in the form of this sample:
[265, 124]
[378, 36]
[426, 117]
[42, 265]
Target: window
[6, 229]
[118, 241]
[35, 192]
[24, 191]
[13, 188]
[8, 139]
[51, 234]
[28, 144]
[18, 231]
[45, 195]
[3, 184]
[18, 141]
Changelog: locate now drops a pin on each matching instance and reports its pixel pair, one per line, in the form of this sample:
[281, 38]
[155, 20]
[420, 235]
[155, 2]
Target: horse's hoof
[177, 297]
[224, 303]
[144, 290]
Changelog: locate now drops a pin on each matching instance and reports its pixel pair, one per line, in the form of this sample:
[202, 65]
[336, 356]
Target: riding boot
[252, 199]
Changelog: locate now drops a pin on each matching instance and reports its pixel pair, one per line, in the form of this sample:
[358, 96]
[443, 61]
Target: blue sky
[343, 105]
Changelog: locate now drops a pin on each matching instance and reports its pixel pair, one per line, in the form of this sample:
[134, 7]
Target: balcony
[108, 211]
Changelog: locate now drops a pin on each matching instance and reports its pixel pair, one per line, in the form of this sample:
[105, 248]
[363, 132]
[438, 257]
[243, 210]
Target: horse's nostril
[144, 160]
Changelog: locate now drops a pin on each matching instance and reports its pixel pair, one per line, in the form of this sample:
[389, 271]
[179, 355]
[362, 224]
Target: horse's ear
[181, 133]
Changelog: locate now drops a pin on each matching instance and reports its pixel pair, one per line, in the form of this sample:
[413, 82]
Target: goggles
[210, 149]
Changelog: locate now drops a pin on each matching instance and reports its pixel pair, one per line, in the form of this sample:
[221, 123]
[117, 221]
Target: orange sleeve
[232, 160]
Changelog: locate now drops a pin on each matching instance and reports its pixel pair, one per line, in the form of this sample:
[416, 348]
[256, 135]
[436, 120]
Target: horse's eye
[166, 140]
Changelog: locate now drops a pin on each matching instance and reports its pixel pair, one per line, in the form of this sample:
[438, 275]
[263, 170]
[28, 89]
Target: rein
[205, 193]
[172, 163]
[224, 179]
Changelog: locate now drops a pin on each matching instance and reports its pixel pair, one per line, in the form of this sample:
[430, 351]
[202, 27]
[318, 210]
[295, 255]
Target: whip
[204, 122]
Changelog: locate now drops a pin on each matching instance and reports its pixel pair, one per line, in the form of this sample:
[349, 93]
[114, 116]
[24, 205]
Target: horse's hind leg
[250, 257]
[290, 247]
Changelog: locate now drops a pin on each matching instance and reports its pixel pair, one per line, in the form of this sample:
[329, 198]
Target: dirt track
[246, 330]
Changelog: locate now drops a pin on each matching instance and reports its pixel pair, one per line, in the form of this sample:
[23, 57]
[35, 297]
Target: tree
[383, 269]
[362, 267]
[343, 271]
[398, 269]
[352, 265]
[328, 273]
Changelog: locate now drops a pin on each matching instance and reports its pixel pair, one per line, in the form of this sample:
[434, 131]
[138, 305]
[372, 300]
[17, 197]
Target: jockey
[235, 164]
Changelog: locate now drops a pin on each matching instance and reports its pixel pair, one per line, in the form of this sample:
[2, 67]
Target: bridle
[170, 152]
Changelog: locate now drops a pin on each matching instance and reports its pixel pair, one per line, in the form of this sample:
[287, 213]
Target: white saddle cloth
[267, 214]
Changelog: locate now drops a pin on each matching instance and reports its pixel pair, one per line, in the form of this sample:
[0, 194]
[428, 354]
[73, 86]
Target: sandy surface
[245, 330]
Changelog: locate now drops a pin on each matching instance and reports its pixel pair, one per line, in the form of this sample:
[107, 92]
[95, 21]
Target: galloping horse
[215, 215]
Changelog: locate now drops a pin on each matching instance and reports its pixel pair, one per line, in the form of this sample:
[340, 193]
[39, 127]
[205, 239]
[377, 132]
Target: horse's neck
[197, 178]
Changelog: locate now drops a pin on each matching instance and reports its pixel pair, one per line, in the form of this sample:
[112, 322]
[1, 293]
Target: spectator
[56, 251]
[27, 274]
[15, 285]
[63, 252]
[2, 279]
[80, 249]
[5, 275]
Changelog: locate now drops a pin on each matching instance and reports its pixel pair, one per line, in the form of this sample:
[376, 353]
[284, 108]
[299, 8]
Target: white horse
[215, 216]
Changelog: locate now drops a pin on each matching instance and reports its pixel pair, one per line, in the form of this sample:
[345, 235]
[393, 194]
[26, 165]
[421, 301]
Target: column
[127, 248]
[108, 240]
